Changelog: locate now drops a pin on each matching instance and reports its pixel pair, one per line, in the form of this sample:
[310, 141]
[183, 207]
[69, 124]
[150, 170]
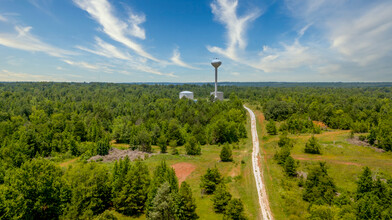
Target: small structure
[186, 94]
[219, 95]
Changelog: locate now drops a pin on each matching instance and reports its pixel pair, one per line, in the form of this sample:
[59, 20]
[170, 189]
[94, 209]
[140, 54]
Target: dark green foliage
[221, 198]
[186, 205]
[278, 110]
[271, 128]
[322, 212]
[297, 124]
[319, 187]
[285, 141]
[34, 191]
[90, 190]
[290, 166]
[162, 174]
[103, 147]
[130, 195]
[162, 143]
[312, 146]
[226, 154]
[365, 182]
[281, 155]
[192, 147]
[210, 180]
[234, 210]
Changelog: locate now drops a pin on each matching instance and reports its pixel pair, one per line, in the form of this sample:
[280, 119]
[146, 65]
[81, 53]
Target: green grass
[345, 162]
[238, 176]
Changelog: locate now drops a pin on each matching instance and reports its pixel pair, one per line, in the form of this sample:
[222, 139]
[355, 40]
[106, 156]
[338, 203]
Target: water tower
[216, 63]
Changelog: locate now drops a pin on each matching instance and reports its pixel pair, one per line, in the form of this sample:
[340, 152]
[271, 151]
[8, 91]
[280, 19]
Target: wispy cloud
[2, 18]
[24, 40]
[115, 28]
[176, 59]
[83, 65]
[107, 50]
[225, 12]
[9, 76]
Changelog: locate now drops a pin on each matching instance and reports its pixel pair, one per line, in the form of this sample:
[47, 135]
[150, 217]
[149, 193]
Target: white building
[186, 94]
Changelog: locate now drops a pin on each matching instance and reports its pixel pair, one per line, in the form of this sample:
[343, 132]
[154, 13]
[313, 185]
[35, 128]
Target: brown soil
[66, 163]
[320, 124]
[115, 154]
[183, 170]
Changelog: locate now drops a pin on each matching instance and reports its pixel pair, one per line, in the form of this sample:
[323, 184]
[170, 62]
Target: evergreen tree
[312, 146]
[365, 182]
[221, 198]
[162, 143]
[271, 128]
[285, 141]
[226, 153]
[234, 210]
[210, 180]
[103, 147]
[192, 147]
[281, 155]
[290, 166]
[319, 187]
[133, 195]
[186, 205]
[163, 204]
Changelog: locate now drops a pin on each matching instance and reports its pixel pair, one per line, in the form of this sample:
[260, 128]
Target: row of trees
[39, 189]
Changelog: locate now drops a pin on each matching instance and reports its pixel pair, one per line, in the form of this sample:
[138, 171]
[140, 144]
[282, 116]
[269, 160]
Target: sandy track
[257, 172]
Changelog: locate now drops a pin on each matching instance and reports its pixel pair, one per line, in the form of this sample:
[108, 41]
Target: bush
[226, 153]
[221, 198]
[271, 128]
[210, 180]
[235, 210]
[282, 155]
[284, 141]
[290, 166]
[103, 147]
[192, 147]
[312, 146]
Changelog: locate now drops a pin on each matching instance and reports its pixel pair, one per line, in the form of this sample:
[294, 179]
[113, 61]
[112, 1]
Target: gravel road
[257, 172]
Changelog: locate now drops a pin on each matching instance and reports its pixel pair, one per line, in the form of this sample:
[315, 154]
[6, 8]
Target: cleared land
[238, 174]
[344, 157]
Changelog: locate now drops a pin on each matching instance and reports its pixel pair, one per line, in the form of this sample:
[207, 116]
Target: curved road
[263, 200]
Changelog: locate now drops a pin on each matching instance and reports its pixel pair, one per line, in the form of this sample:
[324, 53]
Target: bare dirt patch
[183, 170]
[66, 163]
[115, 154]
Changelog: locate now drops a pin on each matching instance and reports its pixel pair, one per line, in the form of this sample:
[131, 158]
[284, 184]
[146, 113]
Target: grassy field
[238, 175]
[345, 162]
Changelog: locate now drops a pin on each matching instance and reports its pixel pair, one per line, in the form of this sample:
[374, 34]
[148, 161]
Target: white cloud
[8, 76]
[107, 50]
[3, 18]
[23, 40]
[225, 12]
[83, 65]
[287, 59]
[176, 59]
[363, 37]
[118, 30]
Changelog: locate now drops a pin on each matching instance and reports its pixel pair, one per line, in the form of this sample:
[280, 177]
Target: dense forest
[41, 123]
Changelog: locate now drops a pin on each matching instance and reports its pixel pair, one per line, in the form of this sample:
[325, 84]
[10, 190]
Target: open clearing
[183, 170]
[345, 159]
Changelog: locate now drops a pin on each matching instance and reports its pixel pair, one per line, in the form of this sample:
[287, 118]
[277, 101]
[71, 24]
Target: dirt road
[257, 172]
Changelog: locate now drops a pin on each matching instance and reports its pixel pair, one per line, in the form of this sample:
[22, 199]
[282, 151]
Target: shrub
[226, 153]
[192, 147]
[312, 146]
[210, 180]
[271, 128]
[221, 198]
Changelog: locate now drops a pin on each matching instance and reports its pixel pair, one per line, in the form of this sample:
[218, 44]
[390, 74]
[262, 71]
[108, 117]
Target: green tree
[103, 147]
[210, 180]
[290, 166]
[271, 128]
[162, 143]
[192, 147]
[365, 182]
[186, 205]
[319, 187]
[221, 198]
[34, 191]
[235, 210]
[281, 155]
[285, 141]
[226, 153]
[163, 204]
[312, 146]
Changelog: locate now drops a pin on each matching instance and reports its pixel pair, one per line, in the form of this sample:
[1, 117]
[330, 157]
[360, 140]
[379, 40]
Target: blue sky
[175, 40]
